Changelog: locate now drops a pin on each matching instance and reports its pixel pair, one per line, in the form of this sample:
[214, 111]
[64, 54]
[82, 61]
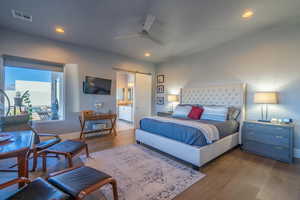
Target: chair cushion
[68, 146]
[39, 189]
[74, 181]
[47, 143]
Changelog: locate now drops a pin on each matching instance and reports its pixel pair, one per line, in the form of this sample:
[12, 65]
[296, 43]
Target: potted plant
[26, 99]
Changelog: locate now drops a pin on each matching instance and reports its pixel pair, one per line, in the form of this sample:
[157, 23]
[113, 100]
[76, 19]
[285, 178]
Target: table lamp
[173, 98]
[265, 98]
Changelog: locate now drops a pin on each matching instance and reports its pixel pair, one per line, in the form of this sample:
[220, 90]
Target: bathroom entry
[125, 100]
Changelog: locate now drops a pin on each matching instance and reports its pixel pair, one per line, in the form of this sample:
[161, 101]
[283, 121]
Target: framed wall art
[160, 100]
[160, 89]
[160, 78]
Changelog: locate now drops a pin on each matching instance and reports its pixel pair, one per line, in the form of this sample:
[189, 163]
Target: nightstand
[267, 139]
[164, 114]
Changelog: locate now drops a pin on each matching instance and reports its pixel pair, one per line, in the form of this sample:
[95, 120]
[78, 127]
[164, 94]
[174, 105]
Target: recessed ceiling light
[59, 30]
[247, 14]
[147, 54]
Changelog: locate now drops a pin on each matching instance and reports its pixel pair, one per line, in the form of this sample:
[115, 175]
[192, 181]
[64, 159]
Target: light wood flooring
[233, 176]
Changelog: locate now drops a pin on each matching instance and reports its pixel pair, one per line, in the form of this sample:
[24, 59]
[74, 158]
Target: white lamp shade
[266, 97]
[173, 98]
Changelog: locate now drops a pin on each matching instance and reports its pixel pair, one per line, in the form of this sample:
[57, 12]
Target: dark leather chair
[42, 145]
[38, 189]
[69, 184]
[67, 148]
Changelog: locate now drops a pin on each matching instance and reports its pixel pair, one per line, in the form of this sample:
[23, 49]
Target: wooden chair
[42, 145]
[39, 144]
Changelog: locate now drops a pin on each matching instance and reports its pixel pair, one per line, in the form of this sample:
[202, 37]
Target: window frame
[62, 89]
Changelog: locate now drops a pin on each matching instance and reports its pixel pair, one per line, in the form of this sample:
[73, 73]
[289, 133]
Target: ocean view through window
[43, 90]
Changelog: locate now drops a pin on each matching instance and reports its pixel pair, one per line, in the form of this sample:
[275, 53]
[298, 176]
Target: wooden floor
[235, 175]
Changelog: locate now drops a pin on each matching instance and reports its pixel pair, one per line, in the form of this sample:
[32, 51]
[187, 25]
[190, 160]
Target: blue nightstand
[267, 139]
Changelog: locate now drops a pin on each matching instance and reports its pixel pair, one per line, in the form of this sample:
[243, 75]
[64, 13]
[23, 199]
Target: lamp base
[261, 120]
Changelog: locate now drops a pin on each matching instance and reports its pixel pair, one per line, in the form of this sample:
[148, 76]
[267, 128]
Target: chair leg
[114, 188]
[44, 156]
[70, 161]
[35, 159]
[87, 150]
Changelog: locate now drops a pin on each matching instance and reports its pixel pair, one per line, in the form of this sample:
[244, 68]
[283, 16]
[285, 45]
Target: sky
[17, 73]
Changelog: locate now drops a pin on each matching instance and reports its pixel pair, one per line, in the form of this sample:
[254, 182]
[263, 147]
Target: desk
[18, 147]
[94, 117]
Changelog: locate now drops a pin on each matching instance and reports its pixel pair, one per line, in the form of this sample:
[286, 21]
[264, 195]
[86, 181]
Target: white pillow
[182, 111]
[216, 113]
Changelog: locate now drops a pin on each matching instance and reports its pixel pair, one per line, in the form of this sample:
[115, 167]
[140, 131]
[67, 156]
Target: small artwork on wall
[160, 78]
[160, 100]
[160, 89]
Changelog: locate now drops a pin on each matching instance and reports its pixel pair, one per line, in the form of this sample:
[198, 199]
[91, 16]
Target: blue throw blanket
[178, 132]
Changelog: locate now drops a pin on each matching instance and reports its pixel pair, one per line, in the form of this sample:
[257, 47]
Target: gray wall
[265, 60]
[90, 62]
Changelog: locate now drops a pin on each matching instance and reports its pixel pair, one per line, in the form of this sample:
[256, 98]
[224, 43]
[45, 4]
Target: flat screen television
[93, 85]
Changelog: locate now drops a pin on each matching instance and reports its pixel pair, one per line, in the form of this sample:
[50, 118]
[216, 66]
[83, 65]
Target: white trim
[296, 153]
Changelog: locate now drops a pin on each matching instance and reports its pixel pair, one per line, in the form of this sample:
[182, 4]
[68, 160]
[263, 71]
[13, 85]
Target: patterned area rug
[142, 174]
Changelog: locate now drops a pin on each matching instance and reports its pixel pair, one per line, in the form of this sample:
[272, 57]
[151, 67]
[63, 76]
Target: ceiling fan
[144, 33]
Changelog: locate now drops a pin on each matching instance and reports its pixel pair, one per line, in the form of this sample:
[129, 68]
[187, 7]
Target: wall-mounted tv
[93, 85]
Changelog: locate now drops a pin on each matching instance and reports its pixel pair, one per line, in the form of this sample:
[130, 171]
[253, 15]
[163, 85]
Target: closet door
[142, 97]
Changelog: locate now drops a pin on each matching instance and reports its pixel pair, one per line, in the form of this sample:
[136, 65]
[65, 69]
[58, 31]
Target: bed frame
[226, 95]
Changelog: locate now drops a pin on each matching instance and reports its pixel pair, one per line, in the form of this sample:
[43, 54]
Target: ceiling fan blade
[127, 36]
[148, 22]
[148, 36]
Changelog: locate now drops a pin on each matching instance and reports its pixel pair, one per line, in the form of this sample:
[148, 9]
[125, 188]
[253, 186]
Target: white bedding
[210, 132]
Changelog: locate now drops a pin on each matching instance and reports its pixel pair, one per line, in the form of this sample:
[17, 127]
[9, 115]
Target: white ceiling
[185, 26]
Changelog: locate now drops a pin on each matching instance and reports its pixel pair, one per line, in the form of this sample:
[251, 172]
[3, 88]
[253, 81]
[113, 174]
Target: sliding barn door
[142, 100]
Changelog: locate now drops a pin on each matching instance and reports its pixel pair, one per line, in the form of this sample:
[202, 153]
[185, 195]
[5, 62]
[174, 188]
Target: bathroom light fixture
[59, 30]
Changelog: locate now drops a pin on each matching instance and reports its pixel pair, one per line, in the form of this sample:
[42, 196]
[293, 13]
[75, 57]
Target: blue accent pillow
[216, 113]
[182, 111]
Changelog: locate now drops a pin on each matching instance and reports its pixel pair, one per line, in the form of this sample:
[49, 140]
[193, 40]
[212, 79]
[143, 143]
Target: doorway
[125, 100]
[134, 98]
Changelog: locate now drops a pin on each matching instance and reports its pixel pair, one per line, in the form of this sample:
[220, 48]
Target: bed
[172, 139]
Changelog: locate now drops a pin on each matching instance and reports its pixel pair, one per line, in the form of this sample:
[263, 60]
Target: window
[37, 91]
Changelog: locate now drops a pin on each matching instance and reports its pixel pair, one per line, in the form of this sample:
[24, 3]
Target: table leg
[22, 166]
[82, 124]
[114, 127]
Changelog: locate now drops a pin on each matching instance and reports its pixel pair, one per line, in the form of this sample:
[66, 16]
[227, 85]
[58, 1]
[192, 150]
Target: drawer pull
[278, 137]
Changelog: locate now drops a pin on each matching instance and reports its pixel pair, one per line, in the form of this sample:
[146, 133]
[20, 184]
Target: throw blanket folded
[210, 132]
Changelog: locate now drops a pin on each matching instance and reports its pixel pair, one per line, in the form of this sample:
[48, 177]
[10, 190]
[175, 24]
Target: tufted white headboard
[225, 95]
[220, 95]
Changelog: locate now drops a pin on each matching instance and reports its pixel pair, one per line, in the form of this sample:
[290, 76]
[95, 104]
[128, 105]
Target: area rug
[142, 174]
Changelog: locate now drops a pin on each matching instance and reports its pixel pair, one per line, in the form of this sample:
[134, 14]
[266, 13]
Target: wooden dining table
[17, 147]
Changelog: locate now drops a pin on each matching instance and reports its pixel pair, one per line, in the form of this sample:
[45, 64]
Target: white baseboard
[297, 153]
